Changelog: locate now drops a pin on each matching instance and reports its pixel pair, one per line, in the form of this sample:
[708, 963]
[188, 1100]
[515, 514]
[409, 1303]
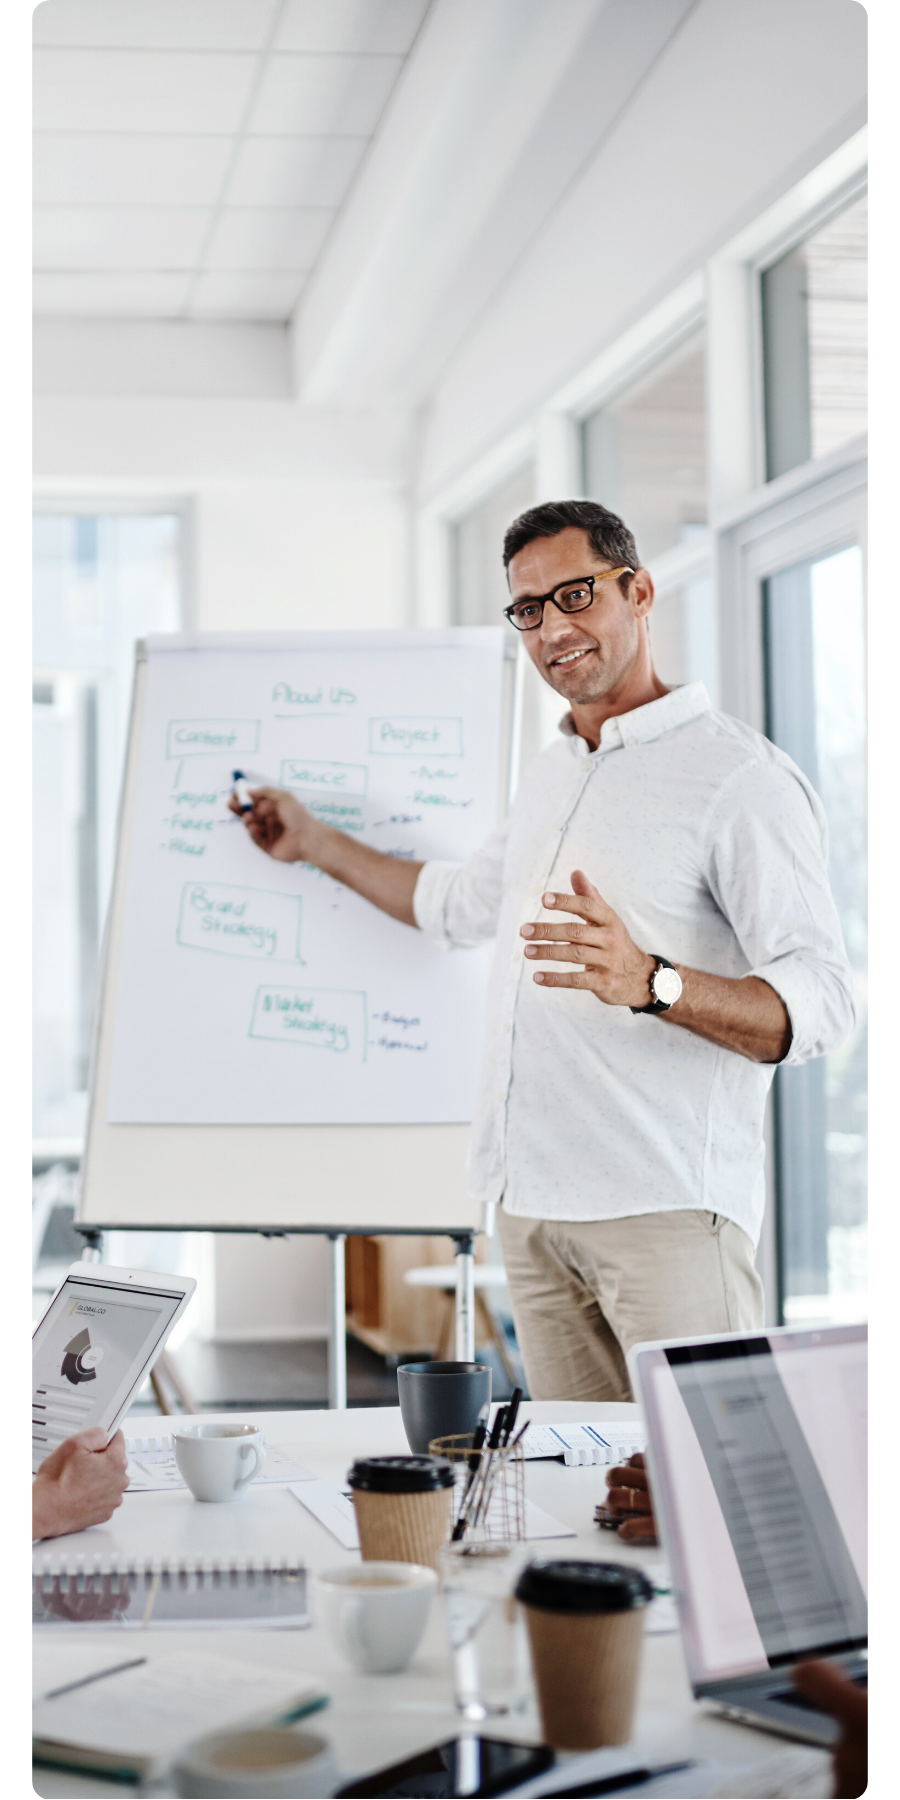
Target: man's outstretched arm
[289, 832]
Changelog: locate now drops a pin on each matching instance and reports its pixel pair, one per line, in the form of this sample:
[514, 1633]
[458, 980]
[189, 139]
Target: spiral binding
[47, 1567]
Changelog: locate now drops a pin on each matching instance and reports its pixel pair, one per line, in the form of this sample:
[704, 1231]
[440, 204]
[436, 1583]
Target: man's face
[584, 655]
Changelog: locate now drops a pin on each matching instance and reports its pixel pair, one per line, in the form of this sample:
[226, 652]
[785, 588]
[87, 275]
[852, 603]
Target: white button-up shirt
[711, 845]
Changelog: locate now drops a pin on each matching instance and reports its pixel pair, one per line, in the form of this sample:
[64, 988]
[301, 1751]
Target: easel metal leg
[337, 1325]
[465, 1297]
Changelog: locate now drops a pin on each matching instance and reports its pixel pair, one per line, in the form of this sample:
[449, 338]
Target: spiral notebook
[199, 1593]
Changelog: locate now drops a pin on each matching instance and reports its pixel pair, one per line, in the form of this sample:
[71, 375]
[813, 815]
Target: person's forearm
[387, 881]
[745, 1015]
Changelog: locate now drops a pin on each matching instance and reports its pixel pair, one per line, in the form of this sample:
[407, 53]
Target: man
[79, 1484]
[620, 1119]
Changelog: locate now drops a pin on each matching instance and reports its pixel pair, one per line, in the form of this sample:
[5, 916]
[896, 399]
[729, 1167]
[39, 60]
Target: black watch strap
[656, 1006]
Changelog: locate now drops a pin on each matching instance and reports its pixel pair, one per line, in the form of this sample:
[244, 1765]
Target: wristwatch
[665, 986]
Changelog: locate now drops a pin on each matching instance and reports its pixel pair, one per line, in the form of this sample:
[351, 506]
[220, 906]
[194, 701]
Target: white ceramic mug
[218, 1461]
[268, 1760]
[375, 1612]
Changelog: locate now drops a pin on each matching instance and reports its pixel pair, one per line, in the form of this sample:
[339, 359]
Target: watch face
[666, 986]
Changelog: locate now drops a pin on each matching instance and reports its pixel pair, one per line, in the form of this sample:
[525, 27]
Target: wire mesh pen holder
[488, 1489]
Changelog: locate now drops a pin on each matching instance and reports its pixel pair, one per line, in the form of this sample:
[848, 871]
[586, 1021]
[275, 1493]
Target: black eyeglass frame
[541, 600]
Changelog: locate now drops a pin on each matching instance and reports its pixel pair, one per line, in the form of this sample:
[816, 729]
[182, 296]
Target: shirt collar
[644, 723]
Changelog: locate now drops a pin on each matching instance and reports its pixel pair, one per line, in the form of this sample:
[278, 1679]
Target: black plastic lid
[583, 1587]
[401, 1474]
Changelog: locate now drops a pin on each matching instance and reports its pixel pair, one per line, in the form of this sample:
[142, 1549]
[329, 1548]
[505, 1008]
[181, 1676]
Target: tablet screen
[89, 1351]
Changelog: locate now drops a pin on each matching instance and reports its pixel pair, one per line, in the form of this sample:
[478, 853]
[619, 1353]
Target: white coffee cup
[375, 1612]
[218, 1461]
[257, 1762]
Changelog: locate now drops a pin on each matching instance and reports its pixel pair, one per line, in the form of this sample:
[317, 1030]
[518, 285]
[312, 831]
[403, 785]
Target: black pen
[623, 1783]
[510, 1416]
[100, 1675]
[473, 1463]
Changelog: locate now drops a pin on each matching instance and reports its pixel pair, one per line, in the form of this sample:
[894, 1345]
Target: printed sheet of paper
[333, 1507]
[604, 1442]
[152, 1466]
[258, 992]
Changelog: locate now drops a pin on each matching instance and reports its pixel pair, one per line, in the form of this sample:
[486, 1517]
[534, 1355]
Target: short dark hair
[609, 537]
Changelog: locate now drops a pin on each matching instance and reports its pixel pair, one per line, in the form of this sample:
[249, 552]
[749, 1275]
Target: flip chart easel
[237, 1145]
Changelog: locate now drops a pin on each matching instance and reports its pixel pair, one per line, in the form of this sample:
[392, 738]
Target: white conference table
[375, 1720]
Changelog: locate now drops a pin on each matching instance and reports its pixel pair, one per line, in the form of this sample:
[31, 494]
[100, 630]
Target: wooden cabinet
[386, 1314]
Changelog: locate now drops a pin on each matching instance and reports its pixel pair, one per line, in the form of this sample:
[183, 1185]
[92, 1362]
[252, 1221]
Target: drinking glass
[486, 1627]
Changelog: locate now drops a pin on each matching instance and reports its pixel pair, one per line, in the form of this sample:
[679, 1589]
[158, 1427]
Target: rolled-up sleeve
[766, 856]
[458, 904]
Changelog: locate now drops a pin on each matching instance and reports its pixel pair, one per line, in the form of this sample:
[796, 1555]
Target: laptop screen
[758, 1468]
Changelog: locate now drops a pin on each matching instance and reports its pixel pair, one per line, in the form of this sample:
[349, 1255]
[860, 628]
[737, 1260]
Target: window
[480, 584]
[100, 583]
[683, 635]
[644, 452]
[815, 669]
[814, 316]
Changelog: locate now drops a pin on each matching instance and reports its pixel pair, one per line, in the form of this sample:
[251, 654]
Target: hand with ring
[629, 1494]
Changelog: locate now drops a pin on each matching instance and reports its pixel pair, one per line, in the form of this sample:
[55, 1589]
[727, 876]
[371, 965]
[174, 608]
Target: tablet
[100, 1334]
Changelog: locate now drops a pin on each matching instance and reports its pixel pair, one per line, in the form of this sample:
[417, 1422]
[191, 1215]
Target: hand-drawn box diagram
[407, 736]
[321, 1018]
[203, 737]
[324, 777]
[236, 921]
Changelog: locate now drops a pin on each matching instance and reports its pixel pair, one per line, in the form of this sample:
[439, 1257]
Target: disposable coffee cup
[269, 1762]
[403, 1507]
[586, 1626]
[441, 1399]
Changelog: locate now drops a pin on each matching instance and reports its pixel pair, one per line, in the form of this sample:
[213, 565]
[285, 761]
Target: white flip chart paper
[257, 992]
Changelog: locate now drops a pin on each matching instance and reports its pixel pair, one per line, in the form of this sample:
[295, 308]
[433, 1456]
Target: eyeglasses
[569, 597]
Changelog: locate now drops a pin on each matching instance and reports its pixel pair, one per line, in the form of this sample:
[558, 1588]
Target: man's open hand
[611, 965]
[279, 824]
[79, 1484]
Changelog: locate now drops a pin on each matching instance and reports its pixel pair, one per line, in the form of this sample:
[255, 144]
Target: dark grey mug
[438, 1399]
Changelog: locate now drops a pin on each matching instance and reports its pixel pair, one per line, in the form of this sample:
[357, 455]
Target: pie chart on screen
[81, 1359]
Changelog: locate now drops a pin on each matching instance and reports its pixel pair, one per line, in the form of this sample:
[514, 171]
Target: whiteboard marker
[242, 792]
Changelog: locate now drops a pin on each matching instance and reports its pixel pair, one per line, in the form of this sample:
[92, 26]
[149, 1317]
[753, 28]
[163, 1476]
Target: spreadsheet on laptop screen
[759, 1464]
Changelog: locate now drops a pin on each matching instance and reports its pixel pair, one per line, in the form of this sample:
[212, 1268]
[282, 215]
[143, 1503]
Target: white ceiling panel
[135, 90]
[135, 296]
[120, 169]
[327, 94]
[270, 237]
[294, 171]
[111, 237]
[155, 24]
[270, 294]
[191, 156]
[386, 25]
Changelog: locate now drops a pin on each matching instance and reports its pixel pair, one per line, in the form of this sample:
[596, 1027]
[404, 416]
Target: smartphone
[463, 1766]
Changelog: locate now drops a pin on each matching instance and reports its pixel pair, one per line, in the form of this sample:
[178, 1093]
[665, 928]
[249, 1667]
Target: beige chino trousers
[583, 1293]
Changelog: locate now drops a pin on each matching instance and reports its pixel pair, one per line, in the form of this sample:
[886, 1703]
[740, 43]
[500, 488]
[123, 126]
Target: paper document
[784, 1775]
[604, 1442]
[333, 1507]
[146, 1713]
[152, 1466]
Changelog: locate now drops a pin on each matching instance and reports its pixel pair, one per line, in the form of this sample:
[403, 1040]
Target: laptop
[757, 1460]
[99, 1336]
